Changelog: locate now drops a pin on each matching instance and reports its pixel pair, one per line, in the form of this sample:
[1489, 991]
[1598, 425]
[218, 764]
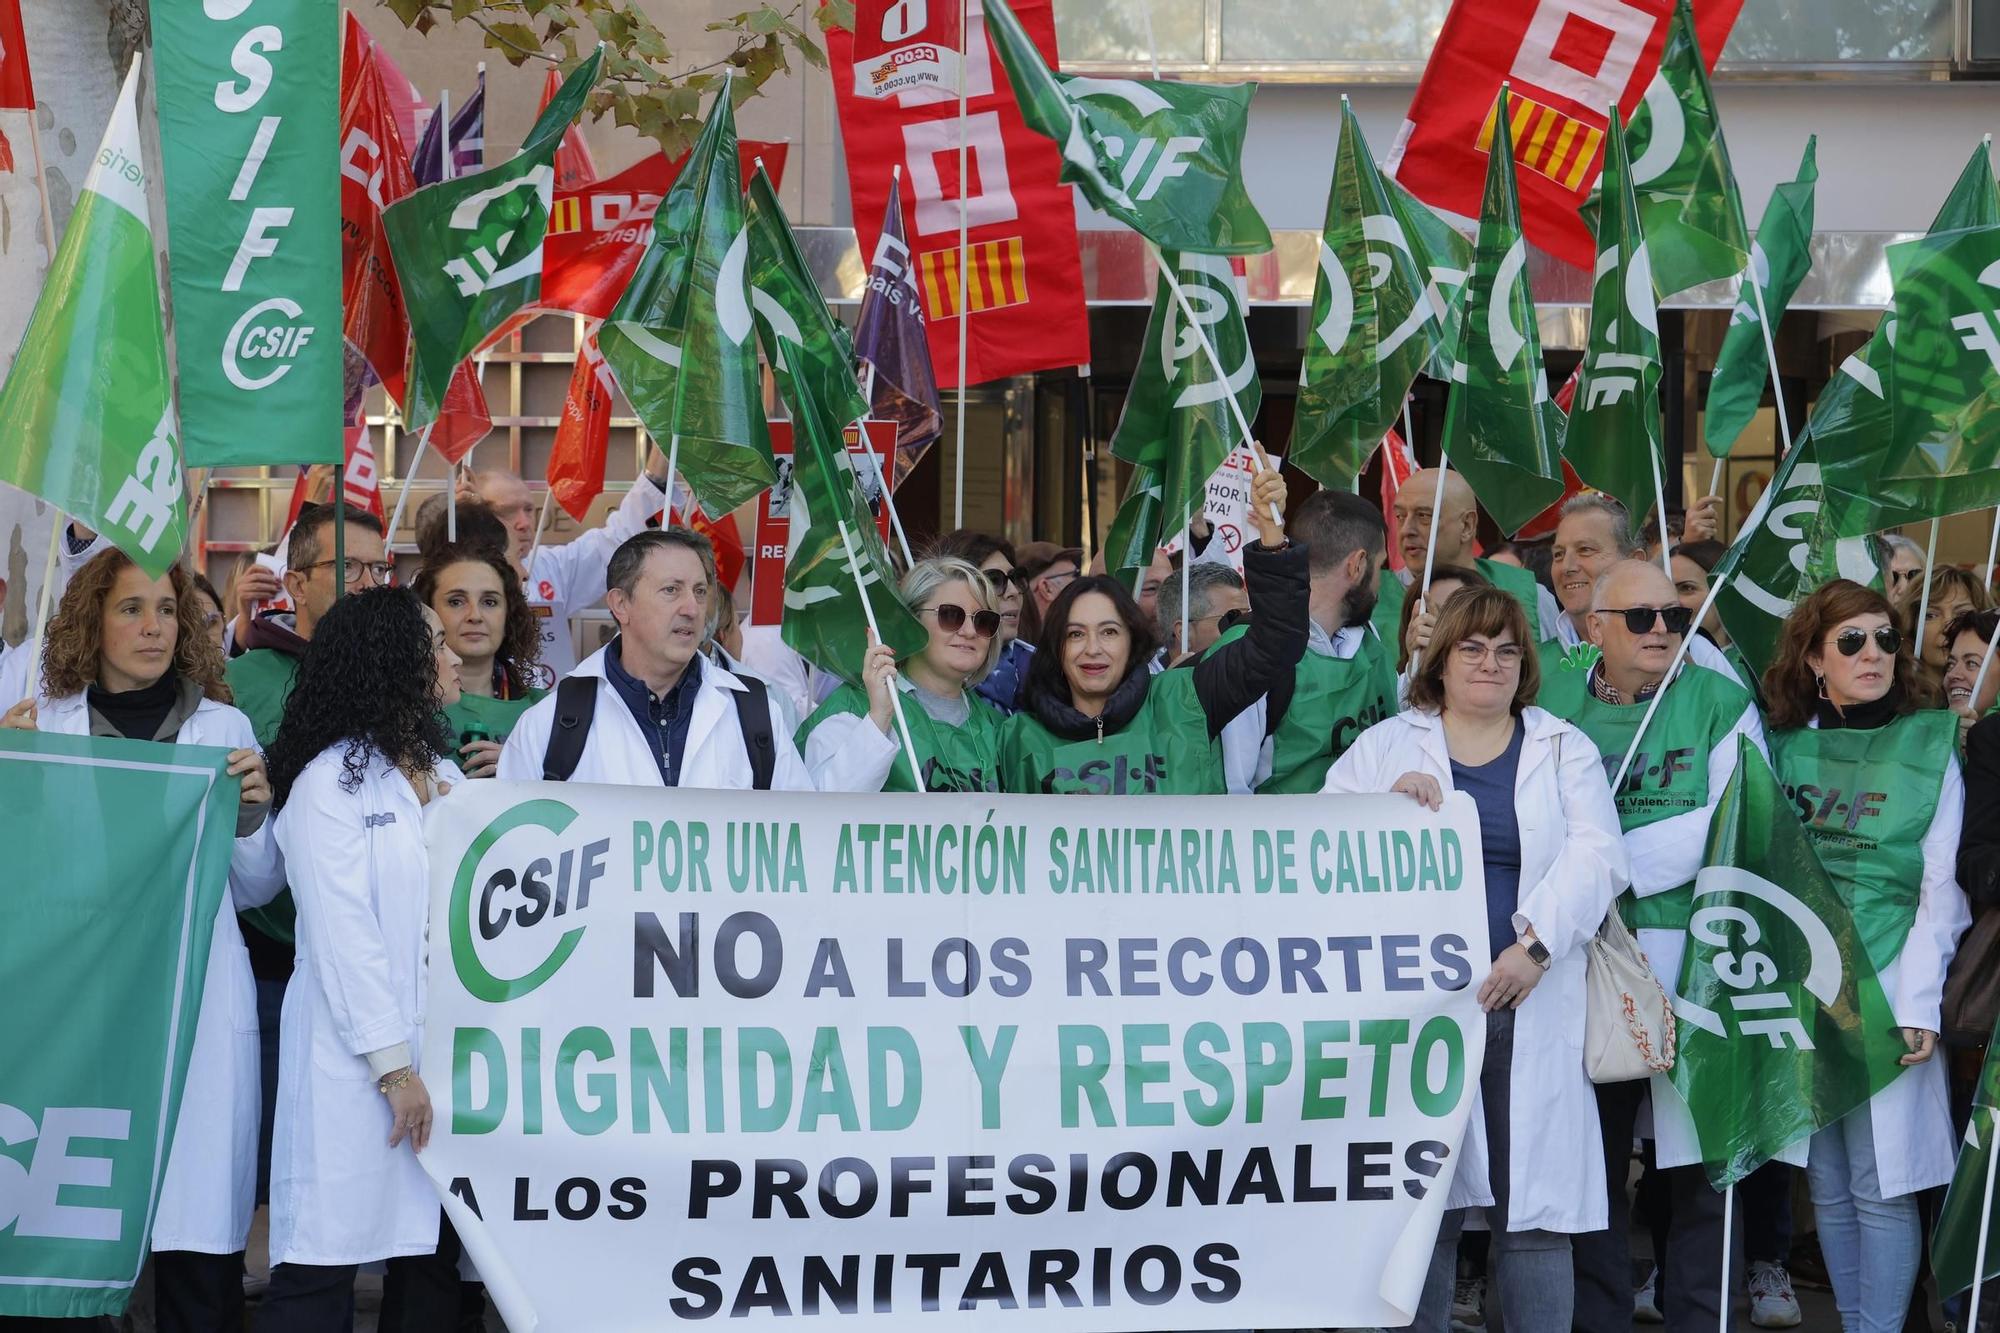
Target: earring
[1821, 680]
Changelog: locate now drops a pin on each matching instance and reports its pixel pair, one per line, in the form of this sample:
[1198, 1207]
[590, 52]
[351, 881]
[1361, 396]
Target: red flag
[463, 419]
[576, 464]
[1567, 61]
[361, 482]
[17, 86]
[721, 534]
[574, 166]
[6, 154]
[374, 173]
[597, 233]
[1027, 288]
[405, 102]
[1398, 462]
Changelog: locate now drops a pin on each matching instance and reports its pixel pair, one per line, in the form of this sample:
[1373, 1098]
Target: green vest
[478, 718]
[1388, 617]
[954, 758]
[1867, 799]
[1669, 776]
[1333, 701]
[1163, 751]
[261, 680]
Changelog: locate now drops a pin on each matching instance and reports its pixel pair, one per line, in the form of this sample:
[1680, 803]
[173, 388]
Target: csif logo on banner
[1754, 947]
[512, 897]
[1980, 330]
[489, 263]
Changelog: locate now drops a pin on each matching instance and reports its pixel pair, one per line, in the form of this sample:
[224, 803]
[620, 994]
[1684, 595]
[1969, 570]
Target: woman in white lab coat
[352, 768]
[127, 656]
[1554, 861]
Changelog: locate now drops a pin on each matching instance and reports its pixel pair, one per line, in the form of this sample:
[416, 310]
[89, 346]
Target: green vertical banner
[90, 1075]
[249, 101]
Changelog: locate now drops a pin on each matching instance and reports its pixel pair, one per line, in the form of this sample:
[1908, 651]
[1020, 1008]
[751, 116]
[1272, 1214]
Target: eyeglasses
[1639, 619]
[1851, 641]
[350, 570]
[951, 619]
[1472, 654]
[1902, 575]
[1057, 580]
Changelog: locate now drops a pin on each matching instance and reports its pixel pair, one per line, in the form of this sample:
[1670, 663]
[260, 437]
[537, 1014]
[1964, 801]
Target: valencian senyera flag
[1779, 1008]
[1780, 258]
[101, 447]
[469, 250]
[1163, 158]
[92, 1089]
[891, 346]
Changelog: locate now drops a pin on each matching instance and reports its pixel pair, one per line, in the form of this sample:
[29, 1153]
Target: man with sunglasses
[1684, 761]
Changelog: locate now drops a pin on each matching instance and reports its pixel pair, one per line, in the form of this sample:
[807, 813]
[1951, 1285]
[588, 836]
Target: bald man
[569, 577]
[1457, 530]
[1684, 760]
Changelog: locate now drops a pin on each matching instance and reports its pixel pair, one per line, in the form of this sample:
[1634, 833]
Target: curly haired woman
[488, 623]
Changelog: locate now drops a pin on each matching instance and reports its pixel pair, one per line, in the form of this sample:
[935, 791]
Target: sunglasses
[1000, 579]
[1851, 641]
[1639, 619]
[951, 619]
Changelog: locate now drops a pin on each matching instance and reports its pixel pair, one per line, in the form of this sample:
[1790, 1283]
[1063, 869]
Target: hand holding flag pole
[875, 636]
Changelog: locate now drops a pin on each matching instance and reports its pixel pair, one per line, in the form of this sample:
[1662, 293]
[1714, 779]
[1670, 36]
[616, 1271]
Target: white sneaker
[1772, 1304]
[1646, 1304]
[1468, 1305]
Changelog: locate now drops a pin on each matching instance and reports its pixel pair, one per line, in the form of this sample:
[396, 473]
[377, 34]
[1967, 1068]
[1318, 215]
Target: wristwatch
[1538, 952]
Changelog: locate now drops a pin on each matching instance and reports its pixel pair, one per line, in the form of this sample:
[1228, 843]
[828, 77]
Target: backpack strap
[576, 705]
[753, 715]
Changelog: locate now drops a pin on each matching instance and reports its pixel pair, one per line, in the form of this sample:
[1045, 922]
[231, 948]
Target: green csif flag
[1378, 317]
[468, 250]
[1779, 261]
[1956, 1234]
[1136, 529]
[87, 412]
[94, 1071]
[824, 619]
[1944, 364]
[1500, 428]
[1688, 201]
[1177, 419]
[801, 337]
[679, 341]
[1613, 436]
[1777, 996]
[1163, 158]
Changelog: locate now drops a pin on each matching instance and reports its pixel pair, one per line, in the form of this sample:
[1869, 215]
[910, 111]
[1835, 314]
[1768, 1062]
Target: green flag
[824, 619]
[1956, 1235]
[104, 945]
[1613, 436]
[1776, 994]
[1376, 317]
[468, 251]
[1500, 428]
[1944, 365]
[1137, 528]
[679, 341]
[1779, 262]
[1163, 158]
[87, 413]
[1688, 202]
[1177, 419]
[801, 337]
[1446, 257]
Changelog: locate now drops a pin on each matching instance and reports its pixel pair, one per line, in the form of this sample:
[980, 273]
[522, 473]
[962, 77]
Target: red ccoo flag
[576, 464]
[374, 173]
[17, 86]
[404, 100]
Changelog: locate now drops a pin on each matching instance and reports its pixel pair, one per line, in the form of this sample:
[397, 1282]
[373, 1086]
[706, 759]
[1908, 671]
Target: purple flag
[468, 141]
[889, 342]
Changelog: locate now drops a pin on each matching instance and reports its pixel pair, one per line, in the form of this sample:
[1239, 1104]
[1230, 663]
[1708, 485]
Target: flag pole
[340, 528]
[673, 470]
[548, 498]
[446, 154]
[1660, 499]
[964, 267]
[1187, 561]
[1986, 661]
[1409, 442]
[1728, 1222]
[1985, 1222]
[1924, 596]
[1431, 546]
[1089, 514]
[416, 460]
[1667, 680]
[42, 184]
[895, 693]
[33, 646]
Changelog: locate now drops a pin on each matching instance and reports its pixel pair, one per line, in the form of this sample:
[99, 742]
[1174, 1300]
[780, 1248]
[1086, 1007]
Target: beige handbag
[1628, 1025]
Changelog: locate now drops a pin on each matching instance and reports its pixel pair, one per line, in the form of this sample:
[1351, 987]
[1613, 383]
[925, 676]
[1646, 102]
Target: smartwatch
[1538, 952]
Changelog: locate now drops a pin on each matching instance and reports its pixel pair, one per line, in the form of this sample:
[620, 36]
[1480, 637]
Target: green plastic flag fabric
[1500, 428]
[1780, 258]
[468, 250]
[1776, 991]
[1377, 316]
[94, 1065]
[1177, 420]
[801, 337]
[824, 620]
[679, 341]
[1446, 256]
[1165, 159]
[87, 412]
[1137, 528]
[1956, 1234]
[1689, 205]
[1613, 436]
[1944, 365]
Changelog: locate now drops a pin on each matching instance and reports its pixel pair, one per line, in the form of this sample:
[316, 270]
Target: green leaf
[461, 9]
[765, 20]
[515, 41]
[836, 14]
[407, 10]
[535, 8]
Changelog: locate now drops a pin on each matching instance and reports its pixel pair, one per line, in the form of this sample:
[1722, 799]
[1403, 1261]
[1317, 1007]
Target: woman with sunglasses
[994, 558]
[1878, 787]
[851, 743]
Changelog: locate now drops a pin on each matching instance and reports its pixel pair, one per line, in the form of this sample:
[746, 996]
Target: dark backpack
[576, 705]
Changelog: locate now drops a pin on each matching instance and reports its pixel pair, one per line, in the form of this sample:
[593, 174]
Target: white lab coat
[360, 873]
[210, 1189]
[617, 752]
[569, 578]
[1572, 867]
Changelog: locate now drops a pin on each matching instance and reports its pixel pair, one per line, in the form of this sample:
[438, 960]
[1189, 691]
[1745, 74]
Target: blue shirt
[1002, 688]
[1491, 787]
[663, 718]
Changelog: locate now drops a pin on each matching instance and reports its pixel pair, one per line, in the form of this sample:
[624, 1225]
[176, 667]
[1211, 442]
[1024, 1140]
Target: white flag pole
[410, 477]
[1187, 559]
[528, 571]
[875, 630]
[1985, 1220]
[1924, 597]
[1409, 441]
[1660, 499]
[1437, 520]
[42, 184]
[964, 263]
[1728, 1221]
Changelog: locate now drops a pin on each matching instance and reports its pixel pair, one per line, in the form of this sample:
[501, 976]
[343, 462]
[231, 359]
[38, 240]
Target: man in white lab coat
[648, 709]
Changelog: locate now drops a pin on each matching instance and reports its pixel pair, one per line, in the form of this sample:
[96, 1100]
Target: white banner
[1123, 1063]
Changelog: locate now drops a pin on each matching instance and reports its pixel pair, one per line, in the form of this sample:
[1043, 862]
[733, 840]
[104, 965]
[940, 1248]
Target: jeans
[419, 1294]
[1530, 1286]
[1872, 1244]
[270, 1015]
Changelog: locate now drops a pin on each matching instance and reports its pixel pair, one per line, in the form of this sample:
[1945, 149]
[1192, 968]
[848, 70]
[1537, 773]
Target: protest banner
[774, 515]
[93, 1073]
[1110, 1064]
[1227, 507]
